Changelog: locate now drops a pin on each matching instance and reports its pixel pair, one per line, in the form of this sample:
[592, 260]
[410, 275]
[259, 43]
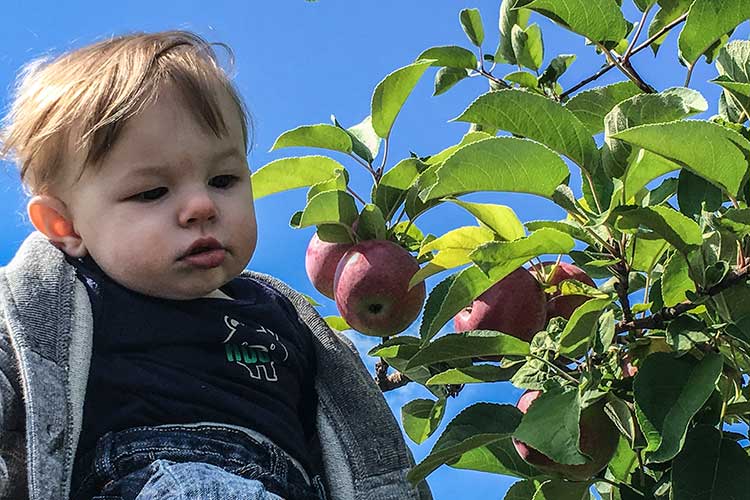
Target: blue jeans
[190, 462]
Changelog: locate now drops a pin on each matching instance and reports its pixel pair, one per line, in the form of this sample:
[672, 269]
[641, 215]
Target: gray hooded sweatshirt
[46, 331]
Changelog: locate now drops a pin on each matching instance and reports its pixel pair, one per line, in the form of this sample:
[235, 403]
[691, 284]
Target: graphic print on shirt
[257, 359]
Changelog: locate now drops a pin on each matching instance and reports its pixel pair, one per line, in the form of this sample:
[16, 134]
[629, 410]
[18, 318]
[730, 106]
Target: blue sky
[297, 63]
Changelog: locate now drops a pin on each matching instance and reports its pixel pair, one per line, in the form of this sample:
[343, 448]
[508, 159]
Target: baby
[176, 374]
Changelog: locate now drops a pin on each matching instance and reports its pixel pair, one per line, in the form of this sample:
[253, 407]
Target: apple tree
[627, 321]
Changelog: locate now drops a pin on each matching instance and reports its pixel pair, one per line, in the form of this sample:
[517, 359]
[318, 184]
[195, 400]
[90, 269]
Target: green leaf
[711, 466]
[421, 418]
[558, 489]
[446, 78]
[737, 220]
[365, 142]
[371, 225]
[315, 136]
[741, 89]
[668, 392]
[551, 426]
[292, 173]
[471, 22]
[681, 232]
[711, 151]
[338, 182]
[464, 239]
[528, 46]
[450, 296]
[644, 4]
[391, 94]
[401, 347]
[695, 194]
[597, 20]
[397, 351]
[660, 193]
[582, 327]
[537, 118]
[522, 490]
[474, 428]
[450, 56]
[709, 20]
[557, 67]
[328, 207]
[733, 65]
[499, 258]
[390, 192]
[737, 92]
[645, 167]
[474, 374]
[453, 250]
[496, 164]
[443, 155]
[311, 300]
[685, 332]
[644, 251]
[591, 106]
[675, 281]
[337, 323]
[524, 79]
[499, 218]
[467, 345]
[669, 105]
[332, 233]
[670, 10]
[509, 17]
[564, 226]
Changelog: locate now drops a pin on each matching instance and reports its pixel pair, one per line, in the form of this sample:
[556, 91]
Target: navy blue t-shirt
[248, 362]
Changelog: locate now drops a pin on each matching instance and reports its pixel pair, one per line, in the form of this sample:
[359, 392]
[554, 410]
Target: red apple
[371, 288]
[598, 439]
[321, 259]
[514, 305]
[564, 305]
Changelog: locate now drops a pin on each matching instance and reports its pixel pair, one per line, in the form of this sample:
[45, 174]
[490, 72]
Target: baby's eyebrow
[153, 170]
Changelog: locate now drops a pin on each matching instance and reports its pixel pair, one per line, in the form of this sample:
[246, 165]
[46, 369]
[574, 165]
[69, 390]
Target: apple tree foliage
[662, 222]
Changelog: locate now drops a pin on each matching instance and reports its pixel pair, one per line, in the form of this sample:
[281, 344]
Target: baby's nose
[198, 208]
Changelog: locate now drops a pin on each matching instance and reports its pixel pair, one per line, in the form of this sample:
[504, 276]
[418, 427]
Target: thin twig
[353, 193]
[658, 319]
[367, 166]
[495, 79]
[388, 382]
[626, 70]
[379, 171]
[689, 75]
[642, 46]
[630, 48]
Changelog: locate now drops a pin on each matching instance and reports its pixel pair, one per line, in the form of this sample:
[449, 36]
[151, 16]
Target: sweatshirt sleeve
[13, 482]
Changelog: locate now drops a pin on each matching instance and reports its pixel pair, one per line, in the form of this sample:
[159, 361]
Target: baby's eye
[150, 195]
[224, 181]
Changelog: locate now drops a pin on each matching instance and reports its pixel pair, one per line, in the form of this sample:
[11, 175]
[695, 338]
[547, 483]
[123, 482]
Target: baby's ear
[50, 216]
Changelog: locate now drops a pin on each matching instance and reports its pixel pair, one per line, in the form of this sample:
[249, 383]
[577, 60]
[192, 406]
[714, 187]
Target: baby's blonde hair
[88, 94]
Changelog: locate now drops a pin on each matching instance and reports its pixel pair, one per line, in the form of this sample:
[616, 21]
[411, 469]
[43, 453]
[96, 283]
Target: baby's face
[165, 184]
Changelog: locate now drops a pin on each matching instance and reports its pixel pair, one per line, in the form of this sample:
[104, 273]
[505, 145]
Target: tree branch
[388, 382]
[642, 46]
[658, 319]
